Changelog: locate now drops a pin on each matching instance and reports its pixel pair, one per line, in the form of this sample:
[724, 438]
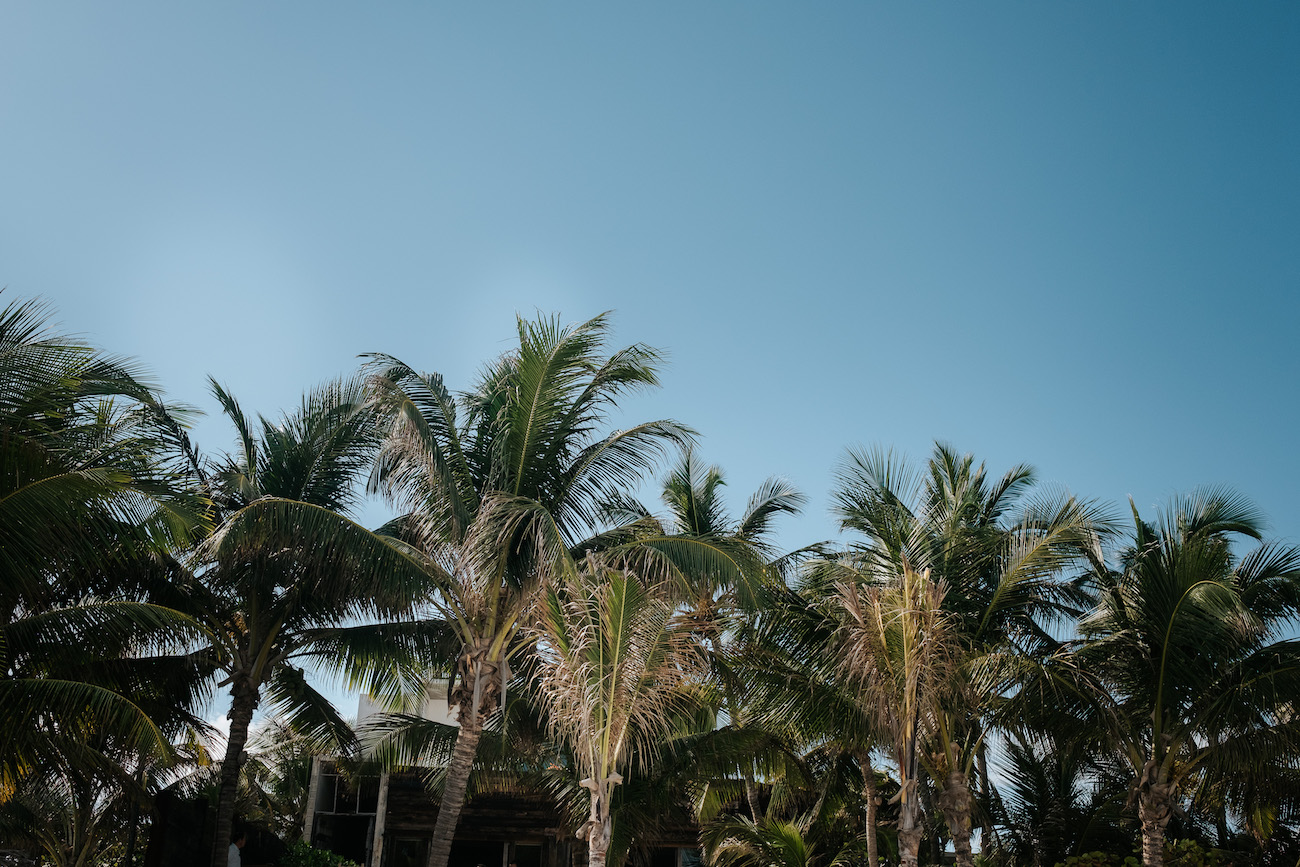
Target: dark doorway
[663, 857]
[527, 854]
[344, 835]
[406, 852]
[472, 853]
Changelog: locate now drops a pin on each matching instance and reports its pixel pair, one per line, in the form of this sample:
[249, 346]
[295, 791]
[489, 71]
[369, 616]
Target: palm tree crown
[287, 577]
[498, 485]
[87, 497]
[1185, 666]
[619, 669]
[998, 549]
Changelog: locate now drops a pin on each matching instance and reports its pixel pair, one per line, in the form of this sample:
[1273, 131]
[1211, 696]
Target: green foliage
[299, 854]
[1189, 853]
[618, 671]
[87, 500]
[499, 486]
[1185, 670]
[1178, 853]
[1099, 859]
[122, 547]
[276, 777]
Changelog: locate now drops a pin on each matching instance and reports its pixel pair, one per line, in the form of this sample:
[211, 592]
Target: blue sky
[1066, 234]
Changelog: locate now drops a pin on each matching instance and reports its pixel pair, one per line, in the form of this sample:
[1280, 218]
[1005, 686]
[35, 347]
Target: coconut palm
[93, 776]
[861, 657]
[84, 459]
[1185, 667]
[999, 549]
[87, 494]
[618, 670]
[70, 668]
[496, 486]
[796, 685]
[744, 842]
[75, 812]
[84, 805]
[1055, 802]
[727, 566]
[278, 776]
[724, 562]
[901, 650]
[288, 579]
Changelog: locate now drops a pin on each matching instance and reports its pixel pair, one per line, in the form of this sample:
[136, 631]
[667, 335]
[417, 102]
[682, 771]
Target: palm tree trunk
[244, 699]
[598, 846]
[954, 801]
[909, 833]
[599, 828]
[133, 821]
[83, 835]
[986, 799]
[1155, 808]
[1221, 828]
[453, 791]
[751, 795]
[872, 807]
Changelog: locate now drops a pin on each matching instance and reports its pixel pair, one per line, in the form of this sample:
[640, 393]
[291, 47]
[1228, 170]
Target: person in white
[237, 841]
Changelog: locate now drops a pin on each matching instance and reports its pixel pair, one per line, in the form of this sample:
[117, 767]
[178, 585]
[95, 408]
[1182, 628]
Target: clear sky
[1061, 233]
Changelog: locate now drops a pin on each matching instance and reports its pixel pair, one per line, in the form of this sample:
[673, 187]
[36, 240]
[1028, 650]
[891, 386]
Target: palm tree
[1056, 801]
[75, 812]
[287, 578]
[87, 495]
[619, 669]
[795, 687]
[278, 775]
[743, 842]
[497, 486]
[901, 650]
[724, 562]
[727, 566]
[84, 456]
[699, 517]
[999, 551]
[720, 568]
[1184, 666]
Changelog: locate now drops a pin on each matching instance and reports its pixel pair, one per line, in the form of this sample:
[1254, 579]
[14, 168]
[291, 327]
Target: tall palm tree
[1185, 666]
[795, 687]
[287, 578]
[719, 567]
[87, 494]
[999, 549]
[901, 650]
[730, 565]
[497, 486]
[618, 670]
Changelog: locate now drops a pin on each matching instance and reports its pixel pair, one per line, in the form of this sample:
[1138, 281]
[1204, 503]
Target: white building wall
[434, 706]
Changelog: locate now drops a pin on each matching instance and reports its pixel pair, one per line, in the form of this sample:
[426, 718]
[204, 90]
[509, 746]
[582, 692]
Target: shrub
[1189, 853]
[1180, 853]
[1100, 859]
[299, 854]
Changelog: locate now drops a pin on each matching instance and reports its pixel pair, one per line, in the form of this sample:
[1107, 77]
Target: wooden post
[313, 790]
[381, 809]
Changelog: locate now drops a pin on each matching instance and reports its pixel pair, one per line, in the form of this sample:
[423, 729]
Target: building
[388, 821]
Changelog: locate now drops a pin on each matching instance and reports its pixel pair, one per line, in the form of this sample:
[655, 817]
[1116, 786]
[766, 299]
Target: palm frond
[310, 714]
[338, 567]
